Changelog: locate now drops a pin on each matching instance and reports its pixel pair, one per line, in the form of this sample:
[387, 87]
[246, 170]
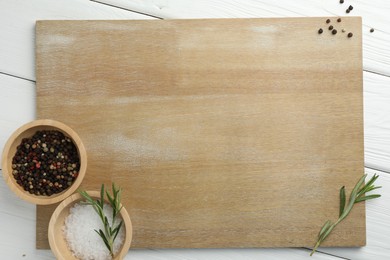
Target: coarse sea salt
[83, 241]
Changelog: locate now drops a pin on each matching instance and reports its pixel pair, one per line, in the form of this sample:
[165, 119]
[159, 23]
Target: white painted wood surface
[17, 105]
[17, 27]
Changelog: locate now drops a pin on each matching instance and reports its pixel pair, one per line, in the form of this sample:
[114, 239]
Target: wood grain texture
[374, 12]
[227, 141]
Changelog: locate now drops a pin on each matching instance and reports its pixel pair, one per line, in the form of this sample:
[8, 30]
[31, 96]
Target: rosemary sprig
[357, 195]
[110, 229]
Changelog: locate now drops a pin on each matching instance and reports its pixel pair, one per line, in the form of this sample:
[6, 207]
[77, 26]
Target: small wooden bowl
[26, 131]
[57, 240]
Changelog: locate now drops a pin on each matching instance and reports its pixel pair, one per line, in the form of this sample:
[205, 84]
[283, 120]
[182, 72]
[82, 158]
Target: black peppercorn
[347, 11]
[339, 20]
[341, 1]
[320, 31]
[334, 31]
[371, 30]
[350, 8]
[330, 27]
[350, 35]
[327, 20]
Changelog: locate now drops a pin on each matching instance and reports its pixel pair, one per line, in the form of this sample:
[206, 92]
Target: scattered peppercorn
[334, 31]
[350, 8]
[330, 27]
[339, 20]
[350, 35]
[371, 30]
[320, 31]
[39, 162]
[328, 21]
[341, 1]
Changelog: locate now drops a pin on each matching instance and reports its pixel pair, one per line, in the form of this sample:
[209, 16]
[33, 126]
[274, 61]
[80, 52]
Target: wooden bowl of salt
[84, 238]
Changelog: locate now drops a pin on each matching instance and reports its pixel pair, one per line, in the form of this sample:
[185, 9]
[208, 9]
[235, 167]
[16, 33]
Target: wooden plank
[212, 137]
[17, 21]
[18, 222]
[376, 56]
[17, 105]
[376, 121]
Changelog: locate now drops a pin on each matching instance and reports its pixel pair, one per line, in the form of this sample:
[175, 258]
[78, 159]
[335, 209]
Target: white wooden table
[17, 106]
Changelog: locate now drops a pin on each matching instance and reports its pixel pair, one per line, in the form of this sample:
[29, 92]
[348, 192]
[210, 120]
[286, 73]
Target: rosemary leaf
[372, 180]
[102, 196]
[373, 188]
[342, 200]
[369, 197]
[111, 200]
[324, 228]
[101, 234]
[116, 230]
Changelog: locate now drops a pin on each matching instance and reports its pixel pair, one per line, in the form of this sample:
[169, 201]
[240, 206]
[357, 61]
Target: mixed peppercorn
[46, 164]
[333, 30]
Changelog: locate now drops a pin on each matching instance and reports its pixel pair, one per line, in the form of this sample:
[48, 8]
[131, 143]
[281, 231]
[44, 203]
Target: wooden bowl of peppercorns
[44, 162]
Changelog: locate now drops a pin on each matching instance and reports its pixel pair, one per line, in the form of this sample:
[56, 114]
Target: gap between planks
[321, 252]
[126, 9]
[377, 169]
[18, 77]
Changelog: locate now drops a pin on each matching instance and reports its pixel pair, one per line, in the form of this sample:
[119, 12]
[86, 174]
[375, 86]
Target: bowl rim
[43, 200]
[74, 199]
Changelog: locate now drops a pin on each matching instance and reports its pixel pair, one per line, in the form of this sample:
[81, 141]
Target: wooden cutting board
[222, 133]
